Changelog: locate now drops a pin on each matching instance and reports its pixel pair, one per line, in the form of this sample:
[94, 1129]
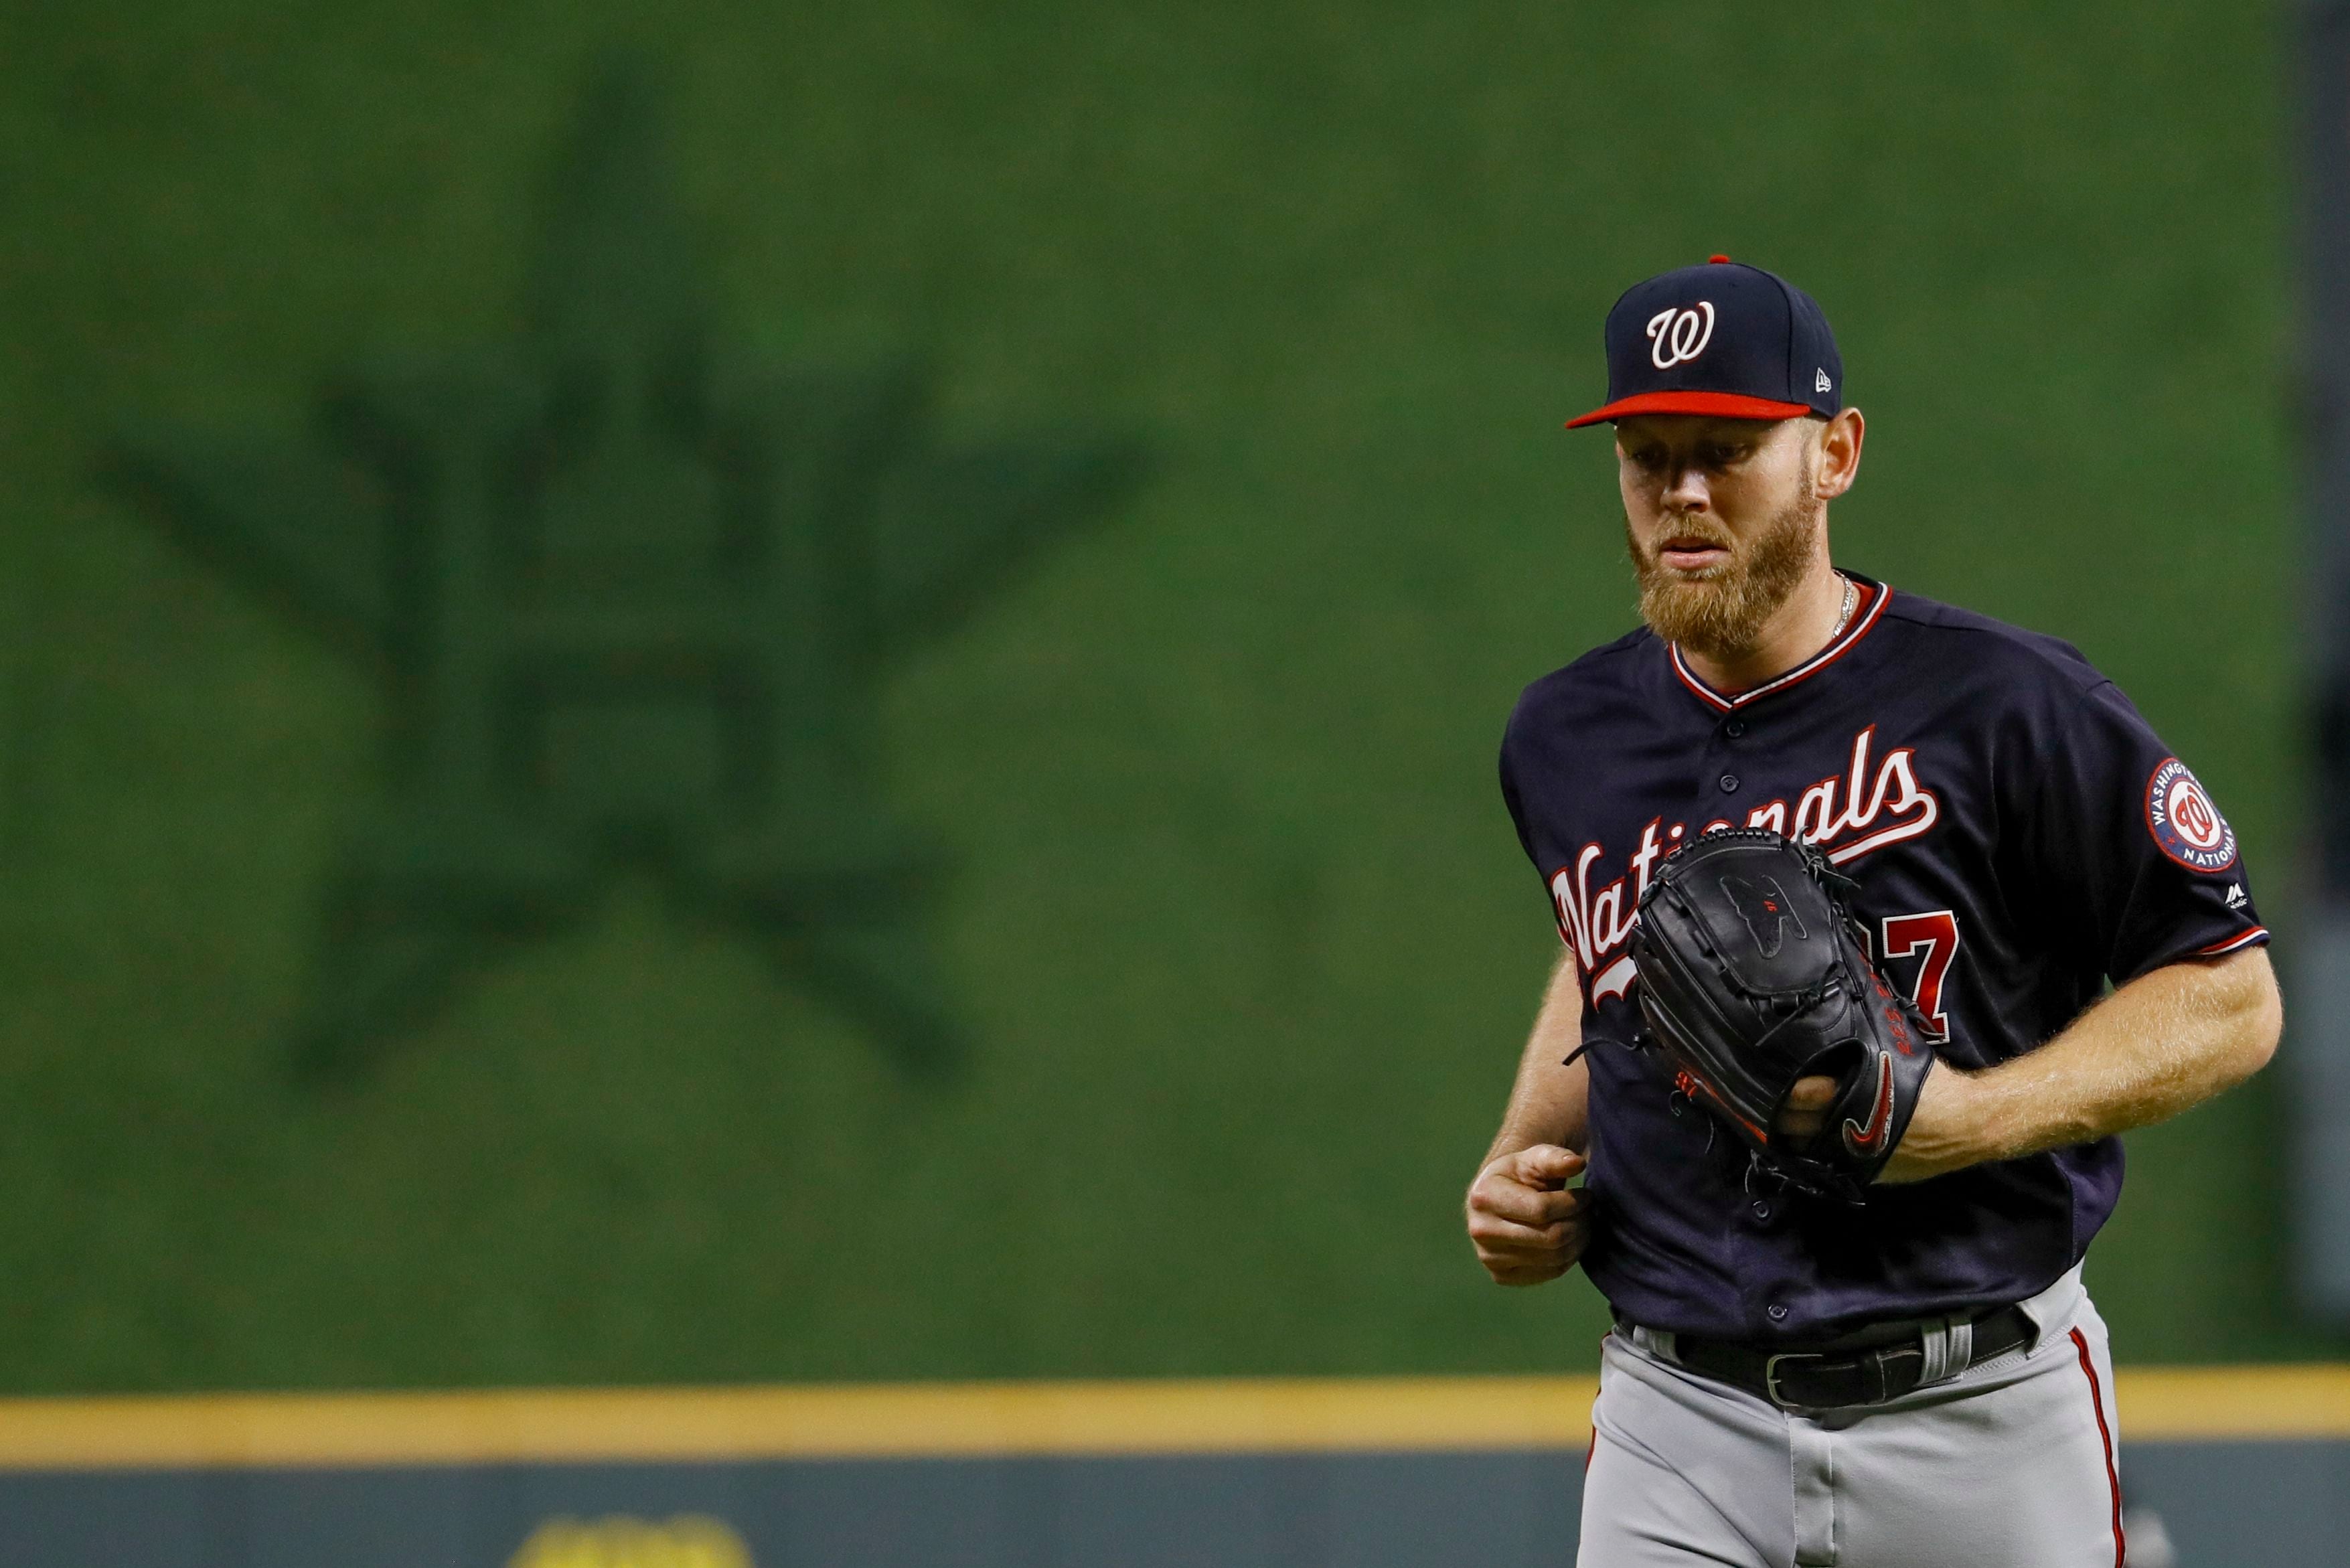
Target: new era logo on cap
[1725, 339]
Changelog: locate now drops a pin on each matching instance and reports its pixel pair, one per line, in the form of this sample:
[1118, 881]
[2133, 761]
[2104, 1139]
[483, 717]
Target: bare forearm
[2167, 1041]
[1527, 1224]
[2153, 1049]
[1549, 1103]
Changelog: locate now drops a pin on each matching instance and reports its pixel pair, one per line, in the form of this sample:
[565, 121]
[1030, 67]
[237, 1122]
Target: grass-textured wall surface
[1235, 919]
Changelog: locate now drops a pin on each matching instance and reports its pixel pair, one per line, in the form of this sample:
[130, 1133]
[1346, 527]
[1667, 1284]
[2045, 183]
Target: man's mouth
[1685, 554]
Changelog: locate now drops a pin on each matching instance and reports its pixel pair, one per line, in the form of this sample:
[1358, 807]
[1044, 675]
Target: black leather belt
[1833, 1377]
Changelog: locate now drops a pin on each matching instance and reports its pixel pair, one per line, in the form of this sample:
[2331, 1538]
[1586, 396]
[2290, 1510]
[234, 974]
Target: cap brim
[1718, 405]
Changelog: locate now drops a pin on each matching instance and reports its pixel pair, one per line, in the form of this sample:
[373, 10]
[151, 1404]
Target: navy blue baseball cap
[1725, 339]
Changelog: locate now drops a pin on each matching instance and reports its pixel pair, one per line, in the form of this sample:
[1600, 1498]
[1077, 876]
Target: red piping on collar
[1879, 596]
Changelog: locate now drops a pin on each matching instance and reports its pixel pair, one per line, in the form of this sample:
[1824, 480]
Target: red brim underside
[1718, 405]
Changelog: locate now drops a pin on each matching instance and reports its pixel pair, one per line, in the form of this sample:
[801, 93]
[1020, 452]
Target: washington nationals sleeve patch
[2186, 826]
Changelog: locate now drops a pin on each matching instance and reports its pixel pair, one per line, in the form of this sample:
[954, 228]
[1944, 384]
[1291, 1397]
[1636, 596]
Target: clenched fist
[1527, 1225]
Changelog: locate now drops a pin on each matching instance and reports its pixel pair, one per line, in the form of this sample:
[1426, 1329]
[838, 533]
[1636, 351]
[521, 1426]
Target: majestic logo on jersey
[1764, 910]
[1874, 803]
[1680, 336]
[2186, 826]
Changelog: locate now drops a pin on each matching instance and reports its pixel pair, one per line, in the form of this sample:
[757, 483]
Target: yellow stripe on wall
[2178, 1403]
[977, 1420]
[892, 1421]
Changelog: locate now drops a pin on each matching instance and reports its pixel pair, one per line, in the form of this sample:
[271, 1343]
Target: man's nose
[1686, 489]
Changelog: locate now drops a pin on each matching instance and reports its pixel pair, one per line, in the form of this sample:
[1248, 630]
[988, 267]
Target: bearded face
[1712, 586]
[1719, 609]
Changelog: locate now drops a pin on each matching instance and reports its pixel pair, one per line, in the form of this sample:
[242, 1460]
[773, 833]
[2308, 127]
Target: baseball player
[1909, 1374]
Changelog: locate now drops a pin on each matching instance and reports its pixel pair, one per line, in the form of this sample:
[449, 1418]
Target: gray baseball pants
[2010, 1464]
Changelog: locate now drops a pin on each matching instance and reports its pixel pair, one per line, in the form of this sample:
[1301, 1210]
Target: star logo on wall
[631, 601]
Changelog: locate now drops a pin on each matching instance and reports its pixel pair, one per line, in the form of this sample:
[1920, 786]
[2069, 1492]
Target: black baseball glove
[1753, 974]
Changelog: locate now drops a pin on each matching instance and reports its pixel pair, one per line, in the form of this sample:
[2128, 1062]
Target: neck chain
[1851, 602]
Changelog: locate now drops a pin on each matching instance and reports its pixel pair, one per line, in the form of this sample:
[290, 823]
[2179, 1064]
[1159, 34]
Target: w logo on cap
[1680, 336]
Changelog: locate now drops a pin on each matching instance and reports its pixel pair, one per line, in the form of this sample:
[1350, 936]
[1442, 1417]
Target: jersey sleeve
[1515, 803]
[2134, 862]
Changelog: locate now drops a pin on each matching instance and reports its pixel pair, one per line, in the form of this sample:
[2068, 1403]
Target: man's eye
[1721, 456]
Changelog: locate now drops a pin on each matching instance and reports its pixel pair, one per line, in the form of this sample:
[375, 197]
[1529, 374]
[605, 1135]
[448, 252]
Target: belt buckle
[1770, 1377]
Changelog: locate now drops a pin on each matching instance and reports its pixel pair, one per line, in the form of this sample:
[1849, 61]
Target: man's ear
[1839, 453]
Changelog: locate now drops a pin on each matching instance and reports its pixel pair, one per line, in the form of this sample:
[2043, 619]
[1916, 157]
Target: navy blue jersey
[2020, 837]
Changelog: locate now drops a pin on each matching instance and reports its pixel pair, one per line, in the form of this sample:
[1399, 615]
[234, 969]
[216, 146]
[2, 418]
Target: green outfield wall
[1137, 971]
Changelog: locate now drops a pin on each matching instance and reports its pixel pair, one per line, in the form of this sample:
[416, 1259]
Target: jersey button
[1735, 728]
[1777, 1312]
[1730, 784]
